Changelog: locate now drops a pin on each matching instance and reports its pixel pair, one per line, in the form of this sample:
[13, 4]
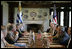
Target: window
[62, 18]
[62, 7]
[69, 18]
[52, 13]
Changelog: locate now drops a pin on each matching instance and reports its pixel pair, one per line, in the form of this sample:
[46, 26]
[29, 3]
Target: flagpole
[19, 6]
[19, 3]
[54, 19]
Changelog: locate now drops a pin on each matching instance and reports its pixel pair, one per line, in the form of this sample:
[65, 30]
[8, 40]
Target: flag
[51, 18]
[54, 15]
[33, 37]
[19, 15]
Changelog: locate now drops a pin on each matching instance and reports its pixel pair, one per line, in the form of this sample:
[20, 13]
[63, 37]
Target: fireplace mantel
[33, 22]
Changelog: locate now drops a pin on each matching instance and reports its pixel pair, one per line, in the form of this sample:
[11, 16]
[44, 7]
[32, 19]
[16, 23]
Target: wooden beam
[39, 4]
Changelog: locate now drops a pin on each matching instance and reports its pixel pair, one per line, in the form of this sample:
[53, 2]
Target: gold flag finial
[19, 8]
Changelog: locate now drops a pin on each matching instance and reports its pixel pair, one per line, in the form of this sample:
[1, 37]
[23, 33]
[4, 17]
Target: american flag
[54, 15]
[19, 15]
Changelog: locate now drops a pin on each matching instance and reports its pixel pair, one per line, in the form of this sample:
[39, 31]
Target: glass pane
[52, 13]
[70, 19]
[62, 18]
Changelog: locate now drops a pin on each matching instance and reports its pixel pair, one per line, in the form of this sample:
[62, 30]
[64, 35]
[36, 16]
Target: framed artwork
[25, 16]
[39, 16]
[33, 14]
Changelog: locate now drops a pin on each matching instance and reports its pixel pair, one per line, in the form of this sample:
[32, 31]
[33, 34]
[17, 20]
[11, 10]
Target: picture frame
[25, 16]
[39, 16]
[33, 14]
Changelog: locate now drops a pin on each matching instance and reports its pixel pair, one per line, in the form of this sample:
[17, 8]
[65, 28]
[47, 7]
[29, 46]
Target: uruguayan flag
[19, 17]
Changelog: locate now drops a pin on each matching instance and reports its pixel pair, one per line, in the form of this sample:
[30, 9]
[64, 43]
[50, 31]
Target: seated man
[66, 37]
[55, 32]
[62, 37]
[15, 32]
[57, 36]
[16, 35]
[4, 29]
[18, 29]
[52, 28]
[4, 43]
[22, 28]
[10, 35]
[69, 33]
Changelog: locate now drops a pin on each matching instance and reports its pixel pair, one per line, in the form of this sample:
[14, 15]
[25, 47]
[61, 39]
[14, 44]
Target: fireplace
[34, 27]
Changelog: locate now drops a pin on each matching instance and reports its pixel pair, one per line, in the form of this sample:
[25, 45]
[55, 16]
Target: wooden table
[23, 38]
[40, 43]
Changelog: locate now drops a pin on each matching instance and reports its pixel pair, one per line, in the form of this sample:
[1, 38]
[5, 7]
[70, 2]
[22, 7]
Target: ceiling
[39, 4]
